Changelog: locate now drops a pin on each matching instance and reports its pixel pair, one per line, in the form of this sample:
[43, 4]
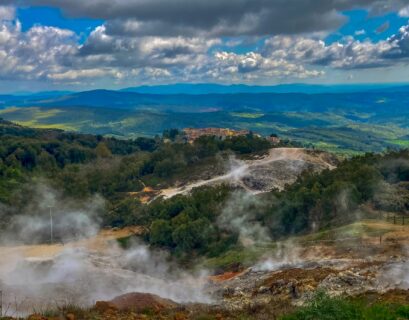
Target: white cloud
[348, 54]
[83, 74]
[118, 51]
[7, 13]
[253, 65]
[404, 12]
[360, 32]
[32, 54]
[55, 55]
[156, 72]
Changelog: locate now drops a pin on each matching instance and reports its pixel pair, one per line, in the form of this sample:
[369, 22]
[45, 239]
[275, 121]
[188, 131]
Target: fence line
[397, 219]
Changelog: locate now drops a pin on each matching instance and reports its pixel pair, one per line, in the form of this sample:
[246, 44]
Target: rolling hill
[353, 121]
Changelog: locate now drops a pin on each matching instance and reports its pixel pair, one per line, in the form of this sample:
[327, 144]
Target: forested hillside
[80, 166]
[361, 187]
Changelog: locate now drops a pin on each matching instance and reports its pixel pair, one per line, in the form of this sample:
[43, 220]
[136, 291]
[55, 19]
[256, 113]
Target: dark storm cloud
[126, 52]
[182, 40]
[218, 17]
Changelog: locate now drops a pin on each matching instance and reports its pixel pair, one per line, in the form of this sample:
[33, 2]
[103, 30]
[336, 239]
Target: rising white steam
[286, 254]
[40, 277]
[69, 219]
[239, 216]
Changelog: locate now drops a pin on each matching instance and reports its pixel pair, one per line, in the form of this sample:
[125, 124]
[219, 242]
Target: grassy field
[366, 230]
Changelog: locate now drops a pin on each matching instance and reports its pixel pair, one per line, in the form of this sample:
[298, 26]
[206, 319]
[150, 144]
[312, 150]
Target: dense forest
[81, 165]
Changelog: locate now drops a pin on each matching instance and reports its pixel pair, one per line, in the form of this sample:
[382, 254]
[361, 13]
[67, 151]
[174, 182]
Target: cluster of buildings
[192, 133]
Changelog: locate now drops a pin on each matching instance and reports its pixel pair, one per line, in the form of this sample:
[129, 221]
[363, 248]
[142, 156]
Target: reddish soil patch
[148, 189]
[224, 277]
[142, 301]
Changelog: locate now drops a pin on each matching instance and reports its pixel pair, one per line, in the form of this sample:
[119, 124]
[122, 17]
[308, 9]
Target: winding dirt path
[241, 169]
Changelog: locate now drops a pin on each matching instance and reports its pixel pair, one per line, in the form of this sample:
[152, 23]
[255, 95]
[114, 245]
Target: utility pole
[51, 226]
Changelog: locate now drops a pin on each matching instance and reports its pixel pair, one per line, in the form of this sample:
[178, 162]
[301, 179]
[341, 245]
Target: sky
[79, 45]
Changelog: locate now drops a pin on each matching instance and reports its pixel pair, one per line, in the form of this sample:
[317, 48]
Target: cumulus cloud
[404, 12]
[49, 53]
[34, 53]
[83, 74]
[254, 64]
[400, 44]
[348, 54]
[360, 32]
[144, 51]
[180, 40]
[7, 13]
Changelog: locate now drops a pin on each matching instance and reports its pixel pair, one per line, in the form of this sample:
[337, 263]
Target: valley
[354, 122]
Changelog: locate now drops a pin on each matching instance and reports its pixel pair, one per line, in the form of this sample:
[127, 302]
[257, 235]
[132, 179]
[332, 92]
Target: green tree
[103, 151]
[161, 233]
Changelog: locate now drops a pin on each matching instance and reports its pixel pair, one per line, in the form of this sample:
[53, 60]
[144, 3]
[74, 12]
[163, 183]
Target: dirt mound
[138, 302]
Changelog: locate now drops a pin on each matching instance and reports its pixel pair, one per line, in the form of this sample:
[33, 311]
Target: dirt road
[279, 167]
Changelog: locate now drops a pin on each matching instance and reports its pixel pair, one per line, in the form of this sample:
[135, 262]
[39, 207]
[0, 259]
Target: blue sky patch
[361, 25]
[53, 17]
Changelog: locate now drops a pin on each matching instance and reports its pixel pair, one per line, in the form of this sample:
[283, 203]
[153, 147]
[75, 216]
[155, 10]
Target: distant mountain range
[383, 100]
[347, 118]
[211, 88]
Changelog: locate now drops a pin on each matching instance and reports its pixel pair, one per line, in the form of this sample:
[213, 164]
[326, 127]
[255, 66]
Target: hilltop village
[192, 134]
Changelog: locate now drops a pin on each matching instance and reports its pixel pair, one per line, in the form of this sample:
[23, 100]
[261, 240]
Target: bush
[161, 233]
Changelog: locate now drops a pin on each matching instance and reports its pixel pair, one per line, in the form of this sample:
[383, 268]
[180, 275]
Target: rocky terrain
[281, 166]
[372, 263]
[296, 283]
